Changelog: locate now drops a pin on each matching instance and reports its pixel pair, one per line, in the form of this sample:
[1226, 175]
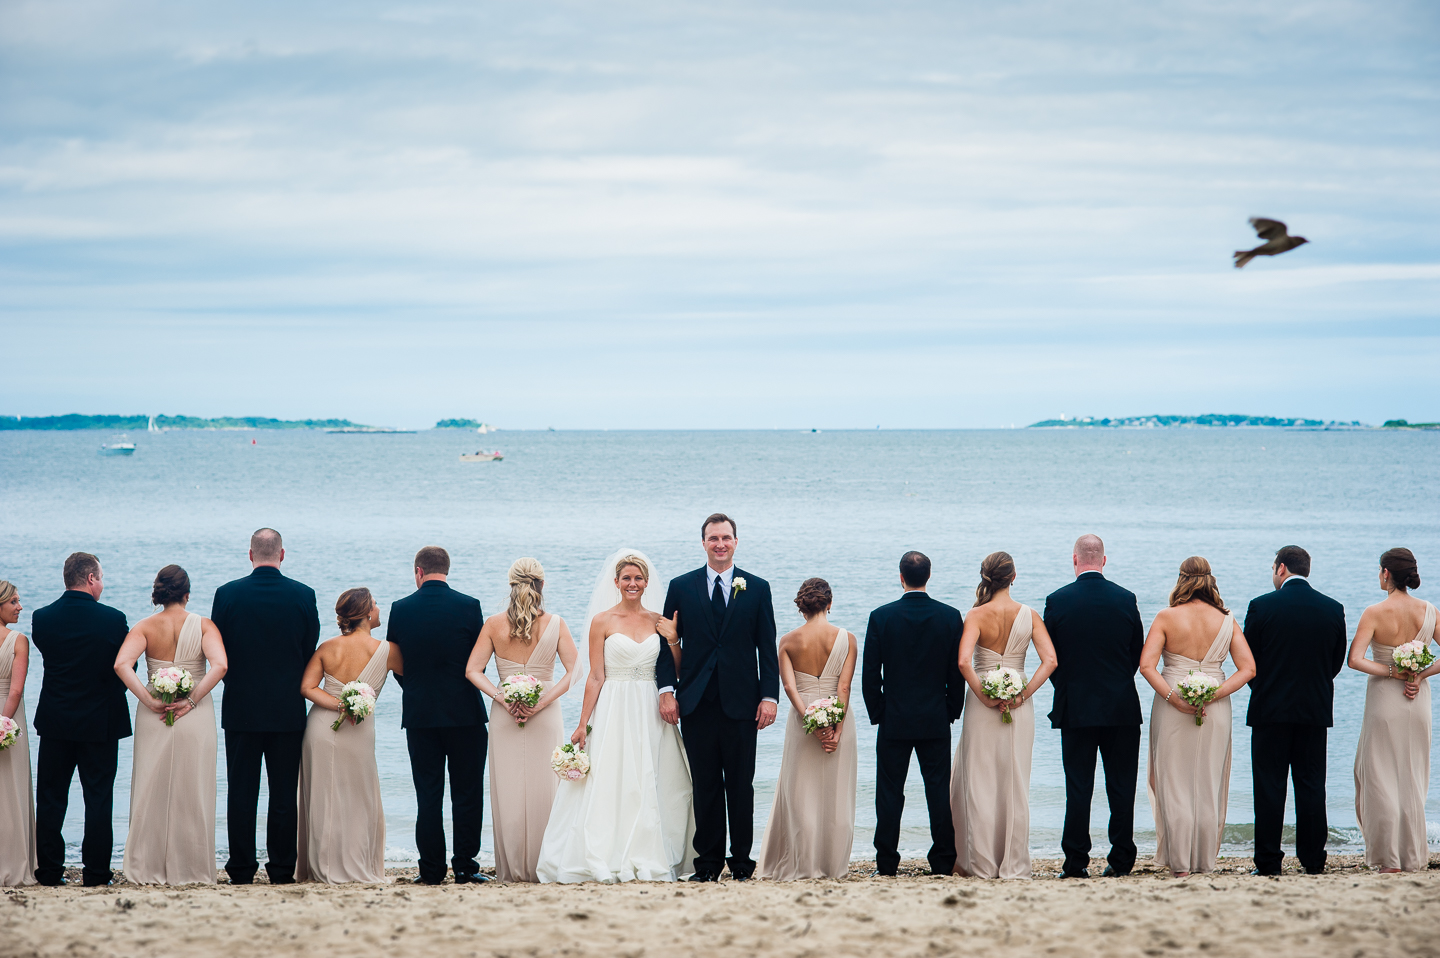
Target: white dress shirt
[1292, 577]
[727, 585]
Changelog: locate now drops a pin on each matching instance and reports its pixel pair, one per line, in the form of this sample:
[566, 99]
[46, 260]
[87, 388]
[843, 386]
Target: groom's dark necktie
[717, 600]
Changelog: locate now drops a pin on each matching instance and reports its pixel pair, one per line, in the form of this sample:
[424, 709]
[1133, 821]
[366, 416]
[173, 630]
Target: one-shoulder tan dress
[17, 797]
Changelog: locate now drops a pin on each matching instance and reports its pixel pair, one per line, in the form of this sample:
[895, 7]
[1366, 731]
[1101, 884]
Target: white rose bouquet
[1199, 690]
[9, 732]
[823, 713]
[1005, 684]
[1413, 657]
[171, 684]
[357, 701]
[569, 762]
[524, 689]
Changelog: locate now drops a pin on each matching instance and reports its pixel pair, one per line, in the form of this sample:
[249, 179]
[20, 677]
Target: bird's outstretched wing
[1268, 229]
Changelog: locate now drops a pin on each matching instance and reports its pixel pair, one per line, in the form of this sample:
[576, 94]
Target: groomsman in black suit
[726, 692]
[81, 718]
[1098, 635]
[913, 690]
[1298, 637]
[269, 624]
[436, 628]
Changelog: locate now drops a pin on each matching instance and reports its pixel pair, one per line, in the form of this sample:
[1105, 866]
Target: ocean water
[842, 505]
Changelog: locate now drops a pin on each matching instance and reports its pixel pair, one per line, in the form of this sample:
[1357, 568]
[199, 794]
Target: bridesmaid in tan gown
[812, 821]
[1392, 762]
[341, 834]
[990, 778]
[172, 787]
[1189, 765]
[17, 799]
[524, 639]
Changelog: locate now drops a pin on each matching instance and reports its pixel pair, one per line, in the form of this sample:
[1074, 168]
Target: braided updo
[527, 603]
[996, 573]
[814, 597]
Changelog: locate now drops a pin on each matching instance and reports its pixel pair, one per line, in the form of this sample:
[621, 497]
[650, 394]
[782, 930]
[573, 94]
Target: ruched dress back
[812, 821]
[522, 785]
[1189, 765]
[1392, 765]
[342, 819]
[990, 778]
[172, 789]
[17, 799]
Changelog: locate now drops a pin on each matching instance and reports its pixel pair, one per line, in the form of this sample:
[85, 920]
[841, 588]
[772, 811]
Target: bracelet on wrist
[1168, 694]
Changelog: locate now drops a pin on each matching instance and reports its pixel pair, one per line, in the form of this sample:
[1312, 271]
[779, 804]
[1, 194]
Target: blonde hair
[527, 582]
[7, 591]
[634, 560]
[1197, 582]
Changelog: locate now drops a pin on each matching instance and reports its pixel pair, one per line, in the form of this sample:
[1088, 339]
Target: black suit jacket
[81, 697]
[1098, 635]
[1298, 637]
[269, 624]
[911, 672]
[436, 628]
[741, 645]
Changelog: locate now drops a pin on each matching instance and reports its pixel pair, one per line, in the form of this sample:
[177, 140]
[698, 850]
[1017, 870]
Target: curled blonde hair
[7, 591]
[1196, 581]
[527, 603]
[634, 560]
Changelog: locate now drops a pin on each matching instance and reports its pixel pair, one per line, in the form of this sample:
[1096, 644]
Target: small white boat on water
[118, 449]
[481, 456]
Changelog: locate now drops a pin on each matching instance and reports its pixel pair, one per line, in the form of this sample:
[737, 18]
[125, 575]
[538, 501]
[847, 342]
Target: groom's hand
[669, 709]
[669, 629]
[765, 715]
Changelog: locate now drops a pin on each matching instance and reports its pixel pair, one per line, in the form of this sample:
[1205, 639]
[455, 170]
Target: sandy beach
[1347, 911]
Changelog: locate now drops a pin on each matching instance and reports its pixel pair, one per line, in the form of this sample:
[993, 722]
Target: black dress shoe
[704, 876]
[1080, 874]
[245, 880]
[283, 880]
[1110, 872]
[421, 880]
[96, 884]
[1264, 874]
[887, 873]
[53, 882]
[461, 878]
[743, 876]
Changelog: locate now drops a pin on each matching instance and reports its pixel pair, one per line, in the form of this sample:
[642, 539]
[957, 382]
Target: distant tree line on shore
[75, 421]
[1208, 420]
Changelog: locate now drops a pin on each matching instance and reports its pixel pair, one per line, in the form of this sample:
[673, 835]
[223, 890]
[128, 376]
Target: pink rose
[573, 774]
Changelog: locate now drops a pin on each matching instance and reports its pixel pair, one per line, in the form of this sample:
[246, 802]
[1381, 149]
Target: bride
[631, 817]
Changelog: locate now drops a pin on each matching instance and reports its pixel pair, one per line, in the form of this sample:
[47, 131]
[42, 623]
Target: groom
[726, 692]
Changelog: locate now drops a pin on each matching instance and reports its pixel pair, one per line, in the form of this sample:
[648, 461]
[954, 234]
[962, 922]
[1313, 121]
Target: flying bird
[1277, 241]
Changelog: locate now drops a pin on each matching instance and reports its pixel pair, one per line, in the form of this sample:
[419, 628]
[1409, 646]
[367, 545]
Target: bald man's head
[266, 547]
[1089, 553]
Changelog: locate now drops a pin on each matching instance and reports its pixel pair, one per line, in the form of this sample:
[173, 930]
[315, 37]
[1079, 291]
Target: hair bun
[1400, 563]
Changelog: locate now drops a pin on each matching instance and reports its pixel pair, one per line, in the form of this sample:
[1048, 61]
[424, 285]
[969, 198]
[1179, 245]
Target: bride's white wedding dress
[631, 817]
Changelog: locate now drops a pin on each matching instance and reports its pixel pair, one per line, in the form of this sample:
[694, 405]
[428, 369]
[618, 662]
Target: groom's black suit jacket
[911, 677]
[734, 646]
[270, 625]
[1298, 637]
[435, 628]
[81, 697]
[1098, 635]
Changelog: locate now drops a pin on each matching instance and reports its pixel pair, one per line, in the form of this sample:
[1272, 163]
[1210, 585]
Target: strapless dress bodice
[629, 661]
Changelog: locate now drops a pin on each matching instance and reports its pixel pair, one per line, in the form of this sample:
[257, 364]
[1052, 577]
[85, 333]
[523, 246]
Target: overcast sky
[718, 214]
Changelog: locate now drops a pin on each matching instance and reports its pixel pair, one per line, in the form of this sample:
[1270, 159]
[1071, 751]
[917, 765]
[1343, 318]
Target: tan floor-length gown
[1392, 765]
[172, 789]
[342, 819]
[812, 822]
[17, 798]
[1189, 766]
[522, 785]
[990, 778]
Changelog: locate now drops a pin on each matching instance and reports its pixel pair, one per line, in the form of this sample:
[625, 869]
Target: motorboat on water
[118, 449]
[481, 456]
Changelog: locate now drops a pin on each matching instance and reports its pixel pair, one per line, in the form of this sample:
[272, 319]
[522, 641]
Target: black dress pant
[281, 754]
[892, 765]
[722, 771]
[58, 761]
[1119, 749]
[1297, 751]
[463, 747]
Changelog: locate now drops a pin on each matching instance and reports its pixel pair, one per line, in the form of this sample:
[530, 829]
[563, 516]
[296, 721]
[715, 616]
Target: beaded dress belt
[643, 673]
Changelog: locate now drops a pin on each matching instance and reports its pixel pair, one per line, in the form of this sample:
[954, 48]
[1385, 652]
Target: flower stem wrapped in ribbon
[171, 684]
[357, 702]
[524, 689]
[1199, 690]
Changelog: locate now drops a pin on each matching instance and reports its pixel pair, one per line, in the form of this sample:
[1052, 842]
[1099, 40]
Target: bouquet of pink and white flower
[569, 762]
[1413, 657]
[823, 713]
[524, 689]
[171, 684]
[1199, 690]
[1005, 684]
[357, 701]
[9, 732]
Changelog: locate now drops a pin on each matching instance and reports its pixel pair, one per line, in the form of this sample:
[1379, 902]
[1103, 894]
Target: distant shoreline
[1209, 421]
[76, 422]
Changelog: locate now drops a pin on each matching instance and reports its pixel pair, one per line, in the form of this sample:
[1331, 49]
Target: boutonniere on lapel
[737, 586]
